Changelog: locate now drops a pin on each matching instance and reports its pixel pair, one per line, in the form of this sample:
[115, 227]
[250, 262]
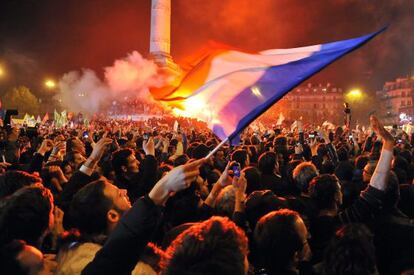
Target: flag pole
[217, 148]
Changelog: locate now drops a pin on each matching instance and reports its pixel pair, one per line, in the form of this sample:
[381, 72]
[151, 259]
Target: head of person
[75, 159]
[97, 208]
[252, 175]
[351, 251]
[225, 201]
[303, 174]
[392, 192]
[13, 133]
[67, 169]
[241, 156]
[75, 144]
[322, 151]
[215, 246]
[281, 241]
[325, 190]
[183, 206]
[200, 151]
[281, 144]
[289, 168]
[268, 164]
[345, 171]
[13, 180]
[259, 203]
[219, 155]
[27, 215]
[400, 166]
[368, 171]
[407, 155]
[125, 163]
[361, 161]
[19, 258]
[343, 154]
[181, 160]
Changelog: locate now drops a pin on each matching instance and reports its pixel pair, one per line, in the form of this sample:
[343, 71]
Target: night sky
[46, 38]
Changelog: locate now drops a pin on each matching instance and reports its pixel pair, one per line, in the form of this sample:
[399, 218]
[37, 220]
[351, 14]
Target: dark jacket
[143, 182]
[364, 209]
[274, 183]
[122, 250]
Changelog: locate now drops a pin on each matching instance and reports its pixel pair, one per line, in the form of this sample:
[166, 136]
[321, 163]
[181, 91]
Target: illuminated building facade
[396, 99]
[314, 103]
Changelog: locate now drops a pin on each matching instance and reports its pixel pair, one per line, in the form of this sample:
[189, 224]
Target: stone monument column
[160, 39]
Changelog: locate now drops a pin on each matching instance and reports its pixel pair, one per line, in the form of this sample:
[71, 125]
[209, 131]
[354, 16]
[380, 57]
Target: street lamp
[355, 94]
[50, 84]
[2, 72]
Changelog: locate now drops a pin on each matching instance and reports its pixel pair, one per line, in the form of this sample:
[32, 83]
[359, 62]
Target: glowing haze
[83, 91]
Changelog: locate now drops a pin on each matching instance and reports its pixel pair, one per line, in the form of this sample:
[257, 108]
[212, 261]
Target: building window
[402, 102]
[409, 102]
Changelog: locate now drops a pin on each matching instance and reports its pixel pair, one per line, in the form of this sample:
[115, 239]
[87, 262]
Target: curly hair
[215, 246]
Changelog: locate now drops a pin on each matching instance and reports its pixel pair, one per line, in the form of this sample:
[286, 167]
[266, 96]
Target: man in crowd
[130, 175]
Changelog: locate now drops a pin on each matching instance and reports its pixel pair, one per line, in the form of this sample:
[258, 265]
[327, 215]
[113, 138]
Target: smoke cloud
[129, 77]
[131, 74]
[82, 91]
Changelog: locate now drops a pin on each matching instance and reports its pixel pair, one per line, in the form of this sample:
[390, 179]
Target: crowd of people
[122, 197]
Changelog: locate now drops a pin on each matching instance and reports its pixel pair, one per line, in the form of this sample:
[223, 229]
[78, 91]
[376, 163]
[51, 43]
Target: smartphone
[145, 136]
[85, 134]
[236, 170]
[350, 136]
[311, 136]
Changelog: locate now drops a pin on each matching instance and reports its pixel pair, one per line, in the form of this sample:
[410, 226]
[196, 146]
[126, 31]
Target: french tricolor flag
[229, 88]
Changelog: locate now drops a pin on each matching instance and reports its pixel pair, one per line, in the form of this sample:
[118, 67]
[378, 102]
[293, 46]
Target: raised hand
[56, 170]
[99, 148]
[225, 178]
[240, 185]
[45, 147]
[314, 146]
[149, 146]
[379, 129]
[58, 150]
[298, 149]
[177, 179]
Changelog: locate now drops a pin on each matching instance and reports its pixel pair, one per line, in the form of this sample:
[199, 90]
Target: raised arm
[379, 178]
[122, 250]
